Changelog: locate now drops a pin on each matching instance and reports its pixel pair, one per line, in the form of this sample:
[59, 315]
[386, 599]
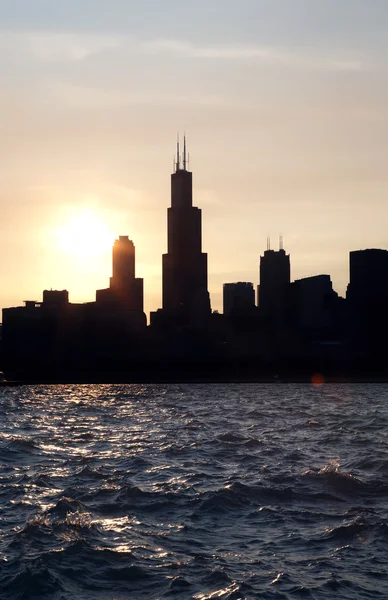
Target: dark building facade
[367, 298]
[37, 333]
[238, 299]
[55, 298]
[275, 273]
[312, 305]
[125, 289]
[368, 276]
[185, 286]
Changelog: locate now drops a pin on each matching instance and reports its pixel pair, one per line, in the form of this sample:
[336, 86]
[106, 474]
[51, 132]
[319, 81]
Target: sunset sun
[84, 235]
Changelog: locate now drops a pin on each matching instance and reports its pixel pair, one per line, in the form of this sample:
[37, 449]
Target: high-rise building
[185, 293]
[125, 289]
[238, 299]
[312, 303]
[368, 276]
[123, 262]
[367, 295]
[274, 279]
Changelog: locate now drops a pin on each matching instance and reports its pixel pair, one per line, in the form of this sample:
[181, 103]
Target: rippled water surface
[193, 491]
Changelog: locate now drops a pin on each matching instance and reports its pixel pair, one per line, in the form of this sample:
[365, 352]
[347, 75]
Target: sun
[84, 235]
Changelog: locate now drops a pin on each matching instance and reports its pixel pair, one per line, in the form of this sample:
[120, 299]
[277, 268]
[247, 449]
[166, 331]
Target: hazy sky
[285, 107]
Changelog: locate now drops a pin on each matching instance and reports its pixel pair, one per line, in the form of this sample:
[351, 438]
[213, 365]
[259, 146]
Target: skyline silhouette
[184, 234]
[296, 327]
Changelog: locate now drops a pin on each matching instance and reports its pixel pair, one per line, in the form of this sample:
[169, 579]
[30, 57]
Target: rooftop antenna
[184, 152]
[281, 242]
[268, 243]
[178, 160]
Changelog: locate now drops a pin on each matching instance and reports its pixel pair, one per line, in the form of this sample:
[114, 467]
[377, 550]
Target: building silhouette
[275, 273]
[125, 290]
[368, 282]
[312, 305]
[58, 339]
[238, 299]
[38, 332]
[367, 298]
[185, 285]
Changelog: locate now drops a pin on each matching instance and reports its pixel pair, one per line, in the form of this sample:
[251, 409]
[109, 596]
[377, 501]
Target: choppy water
[194, 491]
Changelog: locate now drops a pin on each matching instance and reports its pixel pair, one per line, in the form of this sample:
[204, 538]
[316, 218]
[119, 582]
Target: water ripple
[193, 491]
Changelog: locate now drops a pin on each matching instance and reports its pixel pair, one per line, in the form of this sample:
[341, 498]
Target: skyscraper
[368, 277]
[367, 296]
[125, 289]
[185, 293]
[274, 279]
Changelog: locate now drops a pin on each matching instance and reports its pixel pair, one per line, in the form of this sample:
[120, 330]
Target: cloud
[54, 47]
[62, 47]
[302, 58]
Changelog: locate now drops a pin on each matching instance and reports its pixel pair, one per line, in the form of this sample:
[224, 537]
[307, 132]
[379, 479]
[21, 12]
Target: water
[193, 491]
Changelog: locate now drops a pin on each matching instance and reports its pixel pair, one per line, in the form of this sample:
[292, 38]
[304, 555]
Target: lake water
[194, 491]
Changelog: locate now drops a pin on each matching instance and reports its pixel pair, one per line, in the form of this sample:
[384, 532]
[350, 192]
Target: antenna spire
[178, 159]
[268, 243]
[184, 152]
[281, 242]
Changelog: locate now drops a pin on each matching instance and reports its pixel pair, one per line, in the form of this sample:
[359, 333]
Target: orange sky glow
[286, 123]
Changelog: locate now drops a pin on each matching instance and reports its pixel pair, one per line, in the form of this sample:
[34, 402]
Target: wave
[32, 581]
[237, 495]
[42, 480]
[66, 521]
[346, 485]
[20, 445]
[66, 506]
[231, 438]
[360, 531]
[88, 473]
[337, 479]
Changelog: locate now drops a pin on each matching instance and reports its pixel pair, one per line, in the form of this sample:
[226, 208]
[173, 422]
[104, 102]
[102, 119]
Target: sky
[284, 107]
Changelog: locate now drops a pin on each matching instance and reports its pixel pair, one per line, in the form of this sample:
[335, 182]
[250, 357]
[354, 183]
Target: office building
[274, 280]
[367, 296]
[368, 283]
[238, 299]
[312, 304]
[185, 293]
[125, 290]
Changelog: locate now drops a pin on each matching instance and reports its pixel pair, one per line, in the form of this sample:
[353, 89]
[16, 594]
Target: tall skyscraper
[274, 279]
[125, 289]
[368, 277]
[367, 296]
[123, 262]
[185, 293]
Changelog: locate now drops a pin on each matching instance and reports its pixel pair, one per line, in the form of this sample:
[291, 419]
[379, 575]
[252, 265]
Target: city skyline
[109, 239]
[284, 107]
